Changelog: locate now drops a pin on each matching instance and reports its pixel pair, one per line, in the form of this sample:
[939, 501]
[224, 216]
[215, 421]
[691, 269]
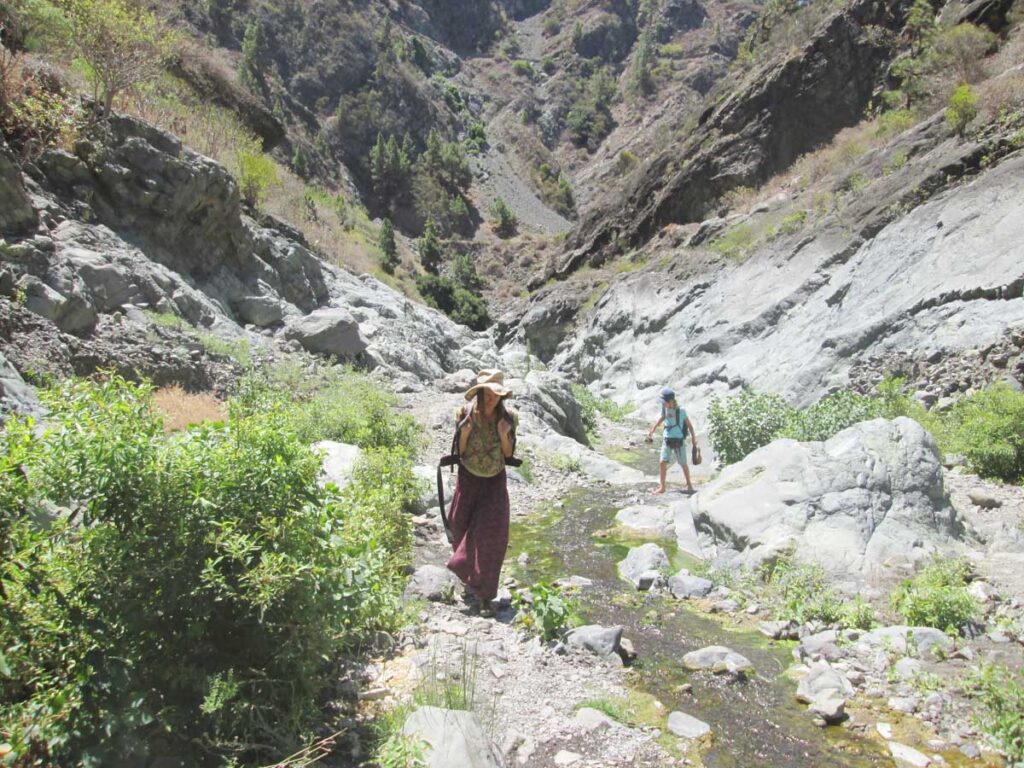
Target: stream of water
[755, 722]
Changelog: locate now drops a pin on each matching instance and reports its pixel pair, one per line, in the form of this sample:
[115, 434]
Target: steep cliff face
[781, 111]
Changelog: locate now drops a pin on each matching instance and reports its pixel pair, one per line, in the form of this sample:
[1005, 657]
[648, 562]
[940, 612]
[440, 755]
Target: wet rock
[686, 726]
[829, 707]
[604, 641]
[683, 585]
[454, 738]
[813, 645]
[902, 639]
[717, 658]
[823, 682]
[908, 705]
[641, 560]
[907, 756]
[432, 582]
[646, 519]
[574, 582]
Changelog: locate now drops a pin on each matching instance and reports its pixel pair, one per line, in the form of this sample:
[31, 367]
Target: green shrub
[988, 428]
[858, 614]
[963, 107]
[830, 415]
[503, 220]
[736, 243]
[551, 26]
[201, 600]
[460, 305]
[895, 121]
[522, 68]
[961, 49]
[801, 592]
[746, 422]
[548, 611]
[1000, 692]
[257, 173]
[591, 405]
[937, 597]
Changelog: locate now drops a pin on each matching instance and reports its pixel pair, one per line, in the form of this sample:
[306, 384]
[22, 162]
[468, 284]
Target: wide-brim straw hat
[492, 379]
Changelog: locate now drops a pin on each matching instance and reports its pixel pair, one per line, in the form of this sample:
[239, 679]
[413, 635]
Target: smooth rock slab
[432, 582]
[822, 681]
[332, 331]
[717, 658]
[686, 726]
[647, 519]
[592, 719]
[895, 639]
[455, 739]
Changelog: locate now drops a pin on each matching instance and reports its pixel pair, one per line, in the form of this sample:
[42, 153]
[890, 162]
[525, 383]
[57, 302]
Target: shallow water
[756, 722]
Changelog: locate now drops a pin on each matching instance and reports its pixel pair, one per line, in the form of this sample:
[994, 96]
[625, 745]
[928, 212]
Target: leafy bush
[858, 614]
[801, 592]
[830, 415]
[746, 422]
[257, 173]
[963, 107]
[1000, 693]
[591, 405]
[547, 611]
[937, 597]
[455, 301]
[988, 428]
[736, 243]
[961, 48]
[197, 586]
[523, 68]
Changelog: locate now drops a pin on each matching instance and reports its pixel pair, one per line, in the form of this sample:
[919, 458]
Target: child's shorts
[680, 453]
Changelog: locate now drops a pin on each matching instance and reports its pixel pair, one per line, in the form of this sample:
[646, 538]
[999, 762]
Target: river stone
[650, 580]
[432, 582]
[922, 639]
[717, 658]
[332, 331]
[829, 707]
[640, 560]
[871, 493]
[687, 727]
[822, 681]
[907, 756]
[454, 738]
[814, 645]
[338, 463]
[684, 585]
[604, 641]
[592, 719]
[565, 757]
[646, 519]
[777, 630]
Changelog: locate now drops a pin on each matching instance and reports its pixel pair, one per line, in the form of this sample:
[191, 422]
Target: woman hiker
[479, 514]
[677, 427]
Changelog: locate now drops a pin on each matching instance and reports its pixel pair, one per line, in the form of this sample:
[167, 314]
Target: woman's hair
[499, 408]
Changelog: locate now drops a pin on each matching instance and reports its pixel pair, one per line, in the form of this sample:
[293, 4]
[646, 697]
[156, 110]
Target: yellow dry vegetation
[181, 409]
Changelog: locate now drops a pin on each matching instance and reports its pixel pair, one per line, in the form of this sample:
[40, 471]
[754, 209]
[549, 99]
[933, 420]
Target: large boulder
[332, 331]
[870, 497]
[15, 394]
[454, 738]
[717, 658]
[604, 641]
[647, 519]
[550, 397]
[643, 561]
[16, 211]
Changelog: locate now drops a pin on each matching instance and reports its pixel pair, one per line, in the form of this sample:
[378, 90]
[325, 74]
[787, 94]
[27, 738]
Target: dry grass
[181, 409]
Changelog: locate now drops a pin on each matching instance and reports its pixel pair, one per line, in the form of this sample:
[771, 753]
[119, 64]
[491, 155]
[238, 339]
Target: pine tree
[254, 54]
[388, 248]
[430, 248]
[920, 26]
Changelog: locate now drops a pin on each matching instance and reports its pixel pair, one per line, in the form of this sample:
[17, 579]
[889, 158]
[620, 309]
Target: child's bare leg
[662, 469]
[686, 473]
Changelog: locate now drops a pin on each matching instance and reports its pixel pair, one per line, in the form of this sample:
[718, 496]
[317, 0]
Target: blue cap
[667, 395]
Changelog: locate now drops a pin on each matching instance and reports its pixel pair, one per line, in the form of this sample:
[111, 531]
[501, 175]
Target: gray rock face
[717, 658]
[902, 640]
[871, 494]
[332, 331]
[604, 641]
[686, 726]
[551, 399]
[455, 738]
[641, 560]
[16, 212]
[15, 394]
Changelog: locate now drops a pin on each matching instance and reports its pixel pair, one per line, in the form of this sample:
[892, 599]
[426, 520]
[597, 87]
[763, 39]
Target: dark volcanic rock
[16, 213]
[607, 36]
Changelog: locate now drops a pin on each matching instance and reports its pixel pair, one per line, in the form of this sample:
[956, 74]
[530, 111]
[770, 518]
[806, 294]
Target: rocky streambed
[875, 698]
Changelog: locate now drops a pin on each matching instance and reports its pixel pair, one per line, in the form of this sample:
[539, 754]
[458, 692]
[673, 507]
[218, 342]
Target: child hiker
[677, 427]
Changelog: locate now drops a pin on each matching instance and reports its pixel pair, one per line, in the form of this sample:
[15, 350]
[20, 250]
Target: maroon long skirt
[479, 524]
